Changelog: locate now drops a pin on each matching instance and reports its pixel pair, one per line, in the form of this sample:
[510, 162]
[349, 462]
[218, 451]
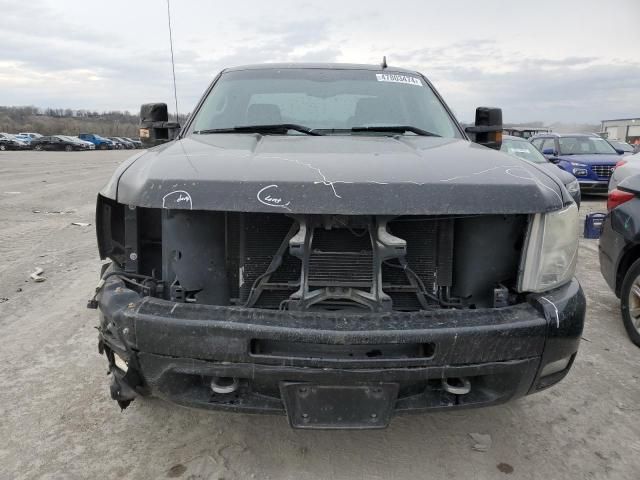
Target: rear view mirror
[487, 130]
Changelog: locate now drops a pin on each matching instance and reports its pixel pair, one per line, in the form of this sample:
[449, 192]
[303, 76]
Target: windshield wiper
[281, 128]
[395, 129]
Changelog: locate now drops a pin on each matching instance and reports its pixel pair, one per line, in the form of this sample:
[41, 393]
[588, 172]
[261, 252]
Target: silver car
[626, 167]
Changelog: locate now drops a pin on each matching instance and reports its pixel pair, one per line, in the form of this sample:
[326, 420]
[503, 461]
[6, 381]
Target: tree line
[65, 121]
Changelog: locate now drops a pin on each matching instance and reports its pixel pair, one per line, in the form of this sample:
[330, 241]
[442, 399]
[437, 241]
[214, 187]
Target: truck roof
[332, 66]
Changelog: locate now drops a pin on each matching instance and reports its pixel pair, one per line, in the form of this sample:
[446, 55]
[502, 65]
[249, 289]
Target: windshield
[625, 147]
[585, 146]
[329, 101]
[522, 149]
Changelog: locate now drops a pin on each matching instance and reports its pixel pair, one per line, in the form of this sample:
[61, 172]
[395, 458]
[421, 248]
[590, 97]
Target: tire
[3, 147]
[103, 146]
[38, 148]
[630, 302]
[68, 148]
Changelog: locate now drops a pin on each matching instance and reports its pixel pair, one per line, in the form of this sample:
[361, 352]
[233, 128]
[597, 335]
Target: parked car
[623, 148]
[121, 143]
[626, 167]
[620, 251]
[101, 143]
[525, 132]
[10, 142]
[85, 145]
[521, 148]
[337, 267]
[590, 158]
[90, 145]
[58, 142]
[25, 138]
[136, 143]
[31, 135]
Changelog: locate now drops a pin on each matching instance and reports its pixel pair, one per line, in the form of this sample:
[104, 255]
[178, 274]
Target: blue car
[588, 157]
[101, 143]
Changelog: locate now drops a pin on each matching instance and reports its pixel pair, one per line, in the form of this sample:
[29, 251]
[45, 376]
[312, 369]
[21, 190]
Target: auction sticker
[396, 78]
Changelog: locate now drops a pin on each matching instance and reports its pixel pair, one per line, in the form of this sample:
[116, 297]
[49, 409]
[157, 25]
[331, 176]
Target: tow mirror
[155, 127]
[487, 130]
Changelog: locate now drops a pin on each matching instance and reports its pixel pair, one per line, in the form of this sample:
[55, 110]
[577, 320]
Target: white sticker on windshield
[396, 78]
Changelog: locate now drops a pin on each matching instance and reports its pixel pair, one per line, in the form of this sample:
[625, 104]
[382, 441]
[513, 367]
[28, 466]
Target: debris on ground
[482, 441]
[81, 224]
[54, 212]
[505, 468]
[3, 299]
[36, 276]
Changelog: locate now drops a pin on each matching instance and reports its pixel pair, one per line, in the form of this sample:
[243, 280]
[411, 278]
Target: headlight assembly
[551, 250]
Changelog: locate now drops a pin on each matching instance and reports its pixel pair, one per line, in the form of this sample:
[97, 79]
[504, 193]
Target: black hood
[334, 175]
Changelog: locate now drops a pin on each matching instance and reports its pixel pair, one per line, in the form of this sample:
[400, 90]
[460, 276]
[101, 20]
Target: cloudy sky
[550, 60]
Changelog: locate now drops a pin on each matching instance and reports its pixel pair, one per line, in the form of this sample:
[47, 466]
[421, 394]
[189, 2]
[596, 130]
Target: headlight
[551, 250]
[573, 186]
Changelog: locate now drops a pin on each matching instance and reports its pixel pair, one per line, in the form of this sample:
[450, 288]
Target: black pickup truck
[326, 241]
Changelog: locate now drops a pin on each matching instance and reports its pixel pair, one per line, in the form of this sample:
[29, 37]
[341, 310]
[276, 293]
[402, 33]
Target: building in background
[624, 129]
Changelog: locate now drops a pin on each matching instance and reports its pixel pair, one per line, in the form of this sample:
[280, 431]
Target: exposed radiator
[341, 257]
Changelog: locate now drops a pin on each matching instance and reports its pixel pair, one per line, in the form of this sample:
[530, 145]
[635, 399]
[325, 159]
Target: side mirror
[619, 151]
[155, 127]
[549, 151]
[487, 130]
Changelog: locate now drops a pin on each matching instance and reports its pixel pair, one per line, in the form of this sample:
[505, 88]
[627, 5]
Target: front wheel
[38, 147]
[68, 148]
[3, 147]
[103, 146]
[630, 302]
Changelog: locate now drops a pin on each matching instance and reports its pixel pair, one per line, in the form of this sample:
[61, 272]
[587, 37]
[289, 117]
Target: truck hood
[564, 176]
[348, 175]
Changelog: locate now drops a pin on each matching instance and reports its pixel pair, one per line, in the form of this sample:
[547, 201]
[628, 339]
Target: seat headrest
[263, 114]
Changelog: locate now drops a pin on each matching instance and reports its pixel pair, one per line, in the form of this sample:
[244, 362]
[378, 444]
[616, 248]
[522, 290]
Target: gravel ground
[57, 420]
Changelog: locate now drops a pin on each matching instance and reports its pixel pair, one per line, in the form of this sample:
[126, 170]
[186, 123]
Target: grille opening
[332, 263]
[603, 171]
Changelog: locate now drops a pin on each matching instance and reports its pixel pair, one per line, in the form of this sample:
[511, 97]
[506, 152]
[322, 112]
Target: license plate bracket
[316, 406]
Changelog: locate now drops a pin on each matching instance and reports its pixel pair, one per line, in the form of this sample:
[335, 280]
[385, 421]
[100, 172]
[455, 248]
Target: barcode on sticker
[395, 78]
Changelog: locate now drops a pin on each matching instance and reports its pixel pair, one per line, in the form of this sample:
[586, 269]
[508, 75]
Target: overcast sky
[558, 60]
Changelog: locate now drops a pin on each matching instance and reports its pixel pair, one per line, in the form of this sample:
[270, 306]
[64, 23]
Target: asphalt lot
[57, 420]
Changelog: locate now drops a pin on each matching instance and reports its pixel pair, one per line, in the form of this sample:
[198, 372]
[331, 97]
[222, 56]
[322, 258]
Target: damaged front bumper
[334, 370]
